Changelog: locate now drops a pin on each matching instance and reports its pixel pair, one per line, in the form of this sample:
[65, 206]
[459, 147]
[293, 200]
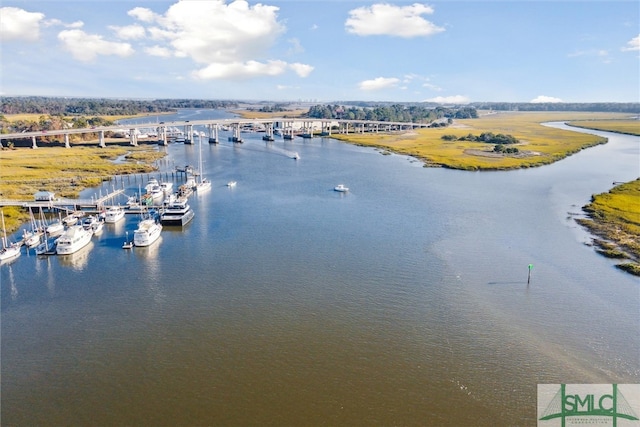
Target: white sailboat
[202, 184]
[8, 251]
[32, 237]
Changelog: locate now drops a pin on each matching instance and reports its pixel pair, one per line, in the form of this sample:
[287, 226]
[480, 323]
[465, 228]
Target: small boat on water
[9, 251]
[295, 156]
[341, 188]
[55, 228]
[114, 214]
[128, 244]
[70, 220]
[147, 233]
[31, 238]
[94, 224]
[73, 239]
[231, 184]
[177, 212]
[47, 246]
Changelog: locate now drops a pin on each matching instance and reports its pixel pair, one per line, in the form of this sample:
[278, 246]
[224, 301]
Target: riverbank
[615, 218]
[538, 144]
[66, 172]
[626, 127]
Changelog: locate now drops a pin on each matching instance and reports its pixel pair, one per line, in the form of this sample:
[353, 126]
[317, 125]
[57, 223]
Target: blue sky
[323, 51]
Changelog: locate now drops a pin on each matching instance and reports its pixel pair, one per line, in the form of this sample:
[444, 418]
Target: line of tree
[390, 113]
[101, 106]
[487, 137]
[600, 107]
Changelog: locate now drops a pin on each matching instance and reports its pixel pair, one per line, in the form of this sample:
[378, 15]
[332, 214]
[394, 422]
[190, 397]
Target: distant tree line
[390, 113]
[101, 106]
[271, 108]
[600, 107]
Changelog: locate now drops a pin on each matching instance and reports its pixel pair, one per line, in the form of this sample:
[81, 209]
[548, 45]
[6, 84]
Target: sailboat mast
[4, 232]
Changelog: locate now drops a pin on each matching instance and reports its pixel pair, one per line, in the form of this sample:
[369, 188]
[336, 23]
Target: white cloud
[379, 83]
[57, 22]
[160, 51]
[86, 47]
[392, 20]
[143, 14]
[543, 98]
[456, 99]
[432, 87]
[302, 70]
[229, 40]
[129, 32]
[633, 44]
[18, 24]
[240, 70]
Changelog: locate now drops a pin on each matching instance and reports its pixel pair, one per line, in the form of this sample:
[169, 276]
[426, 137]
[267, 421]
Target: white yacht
[94, 224]
[152, 183]
[56, 228]
[167, 187]
[148, 231]
[114, 214]
[73, 239]
[178, 212]
[341, 188]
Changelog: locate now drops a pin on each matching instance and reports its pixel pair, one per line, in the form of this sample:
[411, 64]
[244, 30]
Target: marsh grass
[615, 217]
[539, 145]
[630, 127]
[65, 172]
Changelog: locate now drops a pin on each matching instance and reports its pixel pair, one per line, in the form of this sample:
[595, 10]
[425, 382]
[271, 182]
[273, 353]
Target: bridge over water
[287, 127]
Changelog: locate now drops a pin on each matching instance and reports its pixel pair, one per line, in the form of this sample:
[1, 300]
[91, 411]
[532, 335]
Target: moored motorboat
[114, 214]
[231, 184]
[341, 188]
[177, 213]
[73, 239]
[56, 228]
[147, 233]
[70, 220]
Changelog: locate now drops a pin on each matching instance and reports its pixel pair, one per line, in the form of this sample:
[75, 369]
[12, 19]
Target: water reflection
[12, 283]
[77, 260]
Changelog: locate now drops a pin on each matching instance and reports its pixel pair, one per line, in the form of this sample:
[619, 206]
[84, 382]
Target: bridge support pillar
[269, 132]
[101, 142]
[162, 132]
[33, 142]
[213, 133]
[132, 137]
[66, 141]
[188, 130]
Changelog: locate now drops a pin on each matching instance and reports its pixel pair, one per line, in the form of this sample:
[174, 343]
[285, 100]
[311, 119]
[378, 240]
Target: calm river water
[402, 302]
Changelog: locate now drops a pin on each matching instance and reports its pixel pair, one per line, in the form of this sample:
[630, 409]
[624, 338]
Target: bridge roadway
[305, 126]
